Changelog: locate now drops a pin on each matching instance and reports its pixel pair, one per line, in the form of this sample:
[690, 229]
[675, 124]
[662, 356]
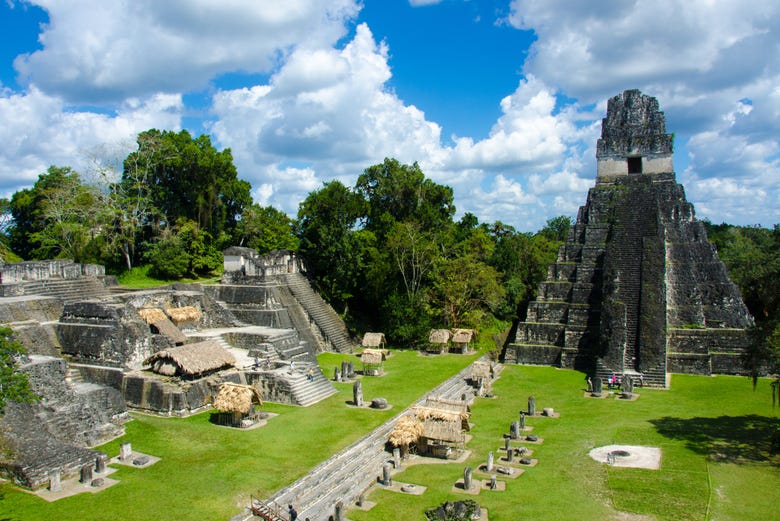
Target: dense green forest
[387, 253]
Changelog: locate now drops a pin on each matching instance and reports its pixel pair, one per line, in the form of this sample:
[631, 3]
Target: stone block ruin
[637, 288]
[94, 351]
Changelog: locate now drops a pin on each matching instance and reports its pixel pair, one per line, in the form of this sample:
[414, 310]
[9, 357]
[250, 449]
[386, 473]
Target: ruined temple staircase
[68, 290]
[320, 312]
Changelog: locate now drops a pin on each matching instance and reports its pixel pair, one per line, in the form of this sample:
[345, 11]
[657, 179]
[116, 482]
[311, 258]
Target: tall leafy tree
[189, 178]
[327, 220]
[401, 193]
[126, 188]
[55, 218]
[14, 385]
[264, 228]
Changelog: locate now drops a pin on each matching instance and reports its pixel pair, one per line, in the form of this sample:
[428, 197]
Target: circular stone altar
[635, 456]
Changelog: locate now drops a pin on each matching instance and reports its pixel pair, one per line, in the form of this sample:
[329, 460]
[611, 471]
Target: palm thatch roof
[481, 370]
[407, 430]
[191, 359]
[439, 409]
[457, 406]
[236, 398]
[439, 336]
[429, 413]
[183, 314]
[152, 315]
[463, 336]
[373, 356]
[156, 317]
[445, 431]
[373, 340]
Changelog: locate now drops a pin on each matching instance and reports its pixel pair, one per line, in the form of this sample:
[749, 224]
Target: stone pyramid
[637, 288]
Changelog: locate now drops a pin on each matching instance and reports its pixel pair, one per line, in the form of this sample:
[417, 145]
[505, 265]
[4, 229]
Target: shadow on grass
[727, 438]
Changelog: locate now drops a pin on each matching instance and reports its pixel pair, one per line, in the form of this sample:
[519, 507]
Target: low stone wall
[707, 351]
[534, 355]
[50, 269]
[274, 387]
[41, 309]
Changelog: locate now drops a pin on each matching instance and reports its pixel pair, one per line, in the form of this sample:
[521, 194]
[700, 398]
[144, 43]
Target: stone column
[357, 394]
[507, 443]
[86, 474]
[100, 464]
[467, 484]
[351, 369]
[490, 462]
[493, 482]
[55, 481]
[397, 458]
[514, 431]
[339, 511]
[509, 455]
[598, 385]
[531, 405]
[387, 480]
[344, 370]
[337, 375]
[522, 421]
[125, 451]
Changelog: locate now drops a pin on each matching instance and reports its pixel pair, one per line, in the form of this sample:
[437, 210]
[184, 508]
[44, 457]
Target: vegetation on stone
[14, 385]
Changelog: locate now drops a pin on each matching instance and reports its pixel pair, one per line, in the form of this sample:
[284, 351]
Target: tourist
[293, 513]
[268, 362]
[310, 374]
[590, 385]
[292, 366]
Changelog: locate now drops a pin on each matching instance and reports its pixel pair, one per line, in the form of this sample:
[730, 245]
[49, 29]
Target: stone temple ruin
[636, 288]
[94, 350]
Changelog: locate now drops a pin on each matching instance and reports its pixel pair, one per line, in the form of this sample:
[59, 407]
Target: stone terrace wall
[50, 434]
[50, 269]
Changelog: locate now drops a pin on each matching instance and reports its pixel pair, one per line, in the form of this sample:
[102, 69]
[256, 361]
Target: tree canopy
[14, 385]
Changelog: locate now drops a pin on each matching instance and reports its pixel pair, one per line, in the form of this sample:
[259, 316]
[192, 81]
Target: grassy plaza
[714, 434]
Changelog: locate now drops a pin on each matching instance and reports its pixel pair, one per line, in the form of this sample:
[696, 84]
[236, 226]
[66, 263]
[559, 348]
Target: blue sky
[502, 100]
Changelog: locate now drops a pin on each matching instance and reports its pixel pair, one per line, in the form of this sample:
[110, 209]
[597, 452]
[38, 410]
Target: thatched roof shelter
[439, 336]
[457, 406]
[463, 336]
[373, 340]
[481, 370]
[407, 430]
[373, 361]
[373, 356]
[152, 315]
[183, 314]
[191, 360]
[236, 398]
[156, 318]
[443, 431]
[460, 418]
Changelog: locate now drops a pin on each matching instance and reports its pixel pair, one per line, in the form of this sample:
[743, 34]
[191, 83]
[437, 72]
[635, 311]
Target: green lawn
[207, 472]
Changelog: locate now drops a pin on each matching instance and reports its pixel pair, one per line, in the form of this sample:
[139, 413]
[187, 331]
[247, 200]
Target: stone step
[347, 474]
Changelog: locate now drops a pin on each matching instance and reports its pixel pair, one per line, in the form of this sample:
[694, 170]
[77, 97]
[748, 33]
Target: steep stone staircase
[307, 392]
[320, 312]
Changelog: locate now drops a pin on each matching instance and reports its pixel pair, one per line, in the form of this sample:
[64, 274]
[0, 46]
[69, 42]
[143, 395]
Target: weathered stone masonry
[637, 288]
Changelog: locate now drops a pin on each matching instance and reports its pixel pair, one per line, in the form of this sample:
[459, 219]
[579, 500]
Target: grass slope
[207, 472]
